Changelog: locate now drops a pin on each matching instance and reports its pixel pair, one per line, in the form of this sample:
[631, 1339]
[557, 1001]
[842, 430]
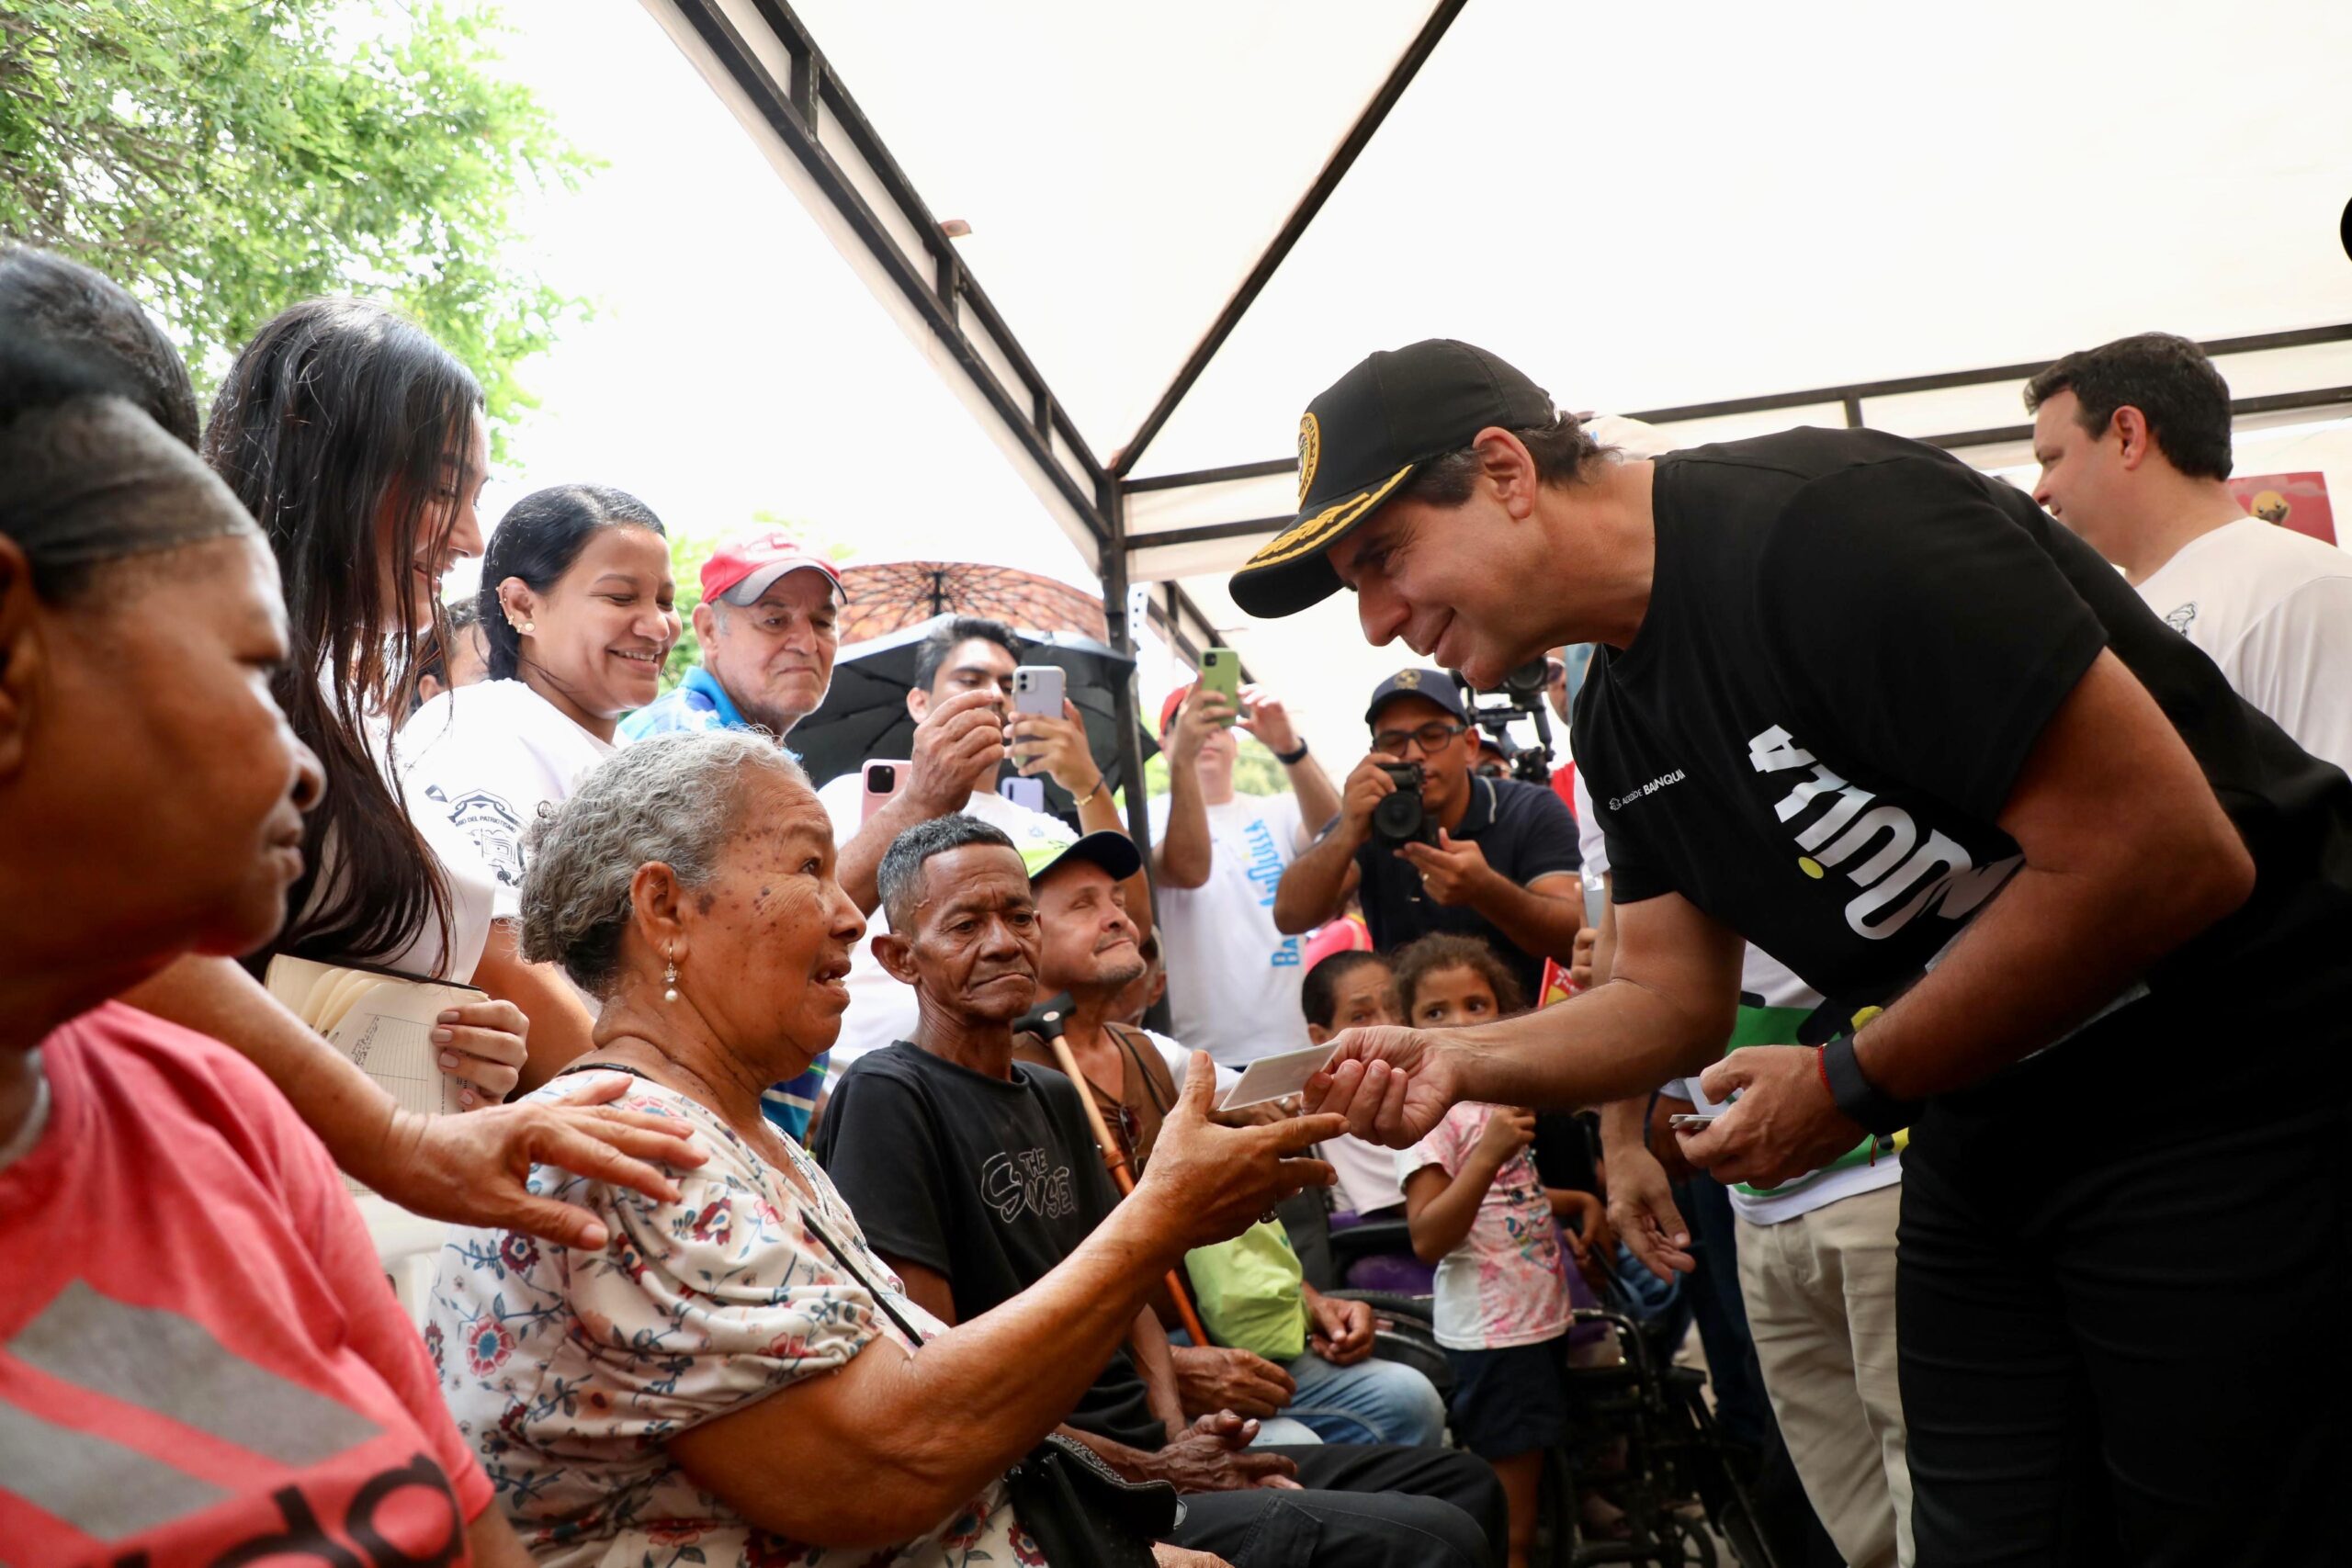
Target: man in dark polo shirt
[2080, 911]
[1505, 864]
[974, 1175]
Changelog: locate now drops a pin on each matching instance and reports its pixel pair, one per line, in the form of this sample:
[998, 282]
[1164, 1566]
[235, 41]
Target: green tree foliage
[1255, 772]
[225, 158]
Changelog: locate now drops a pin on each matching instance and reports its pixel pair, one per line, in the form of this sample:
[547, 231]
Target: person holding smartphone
[962, 703]
[1217, 856]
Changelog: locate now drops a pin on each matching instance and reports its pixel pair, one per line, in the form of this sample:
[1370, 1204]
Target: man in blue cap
[1497, 860]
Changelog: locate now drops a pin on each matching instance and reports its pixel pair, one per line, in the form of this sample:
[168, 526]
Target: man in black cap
[974, 1174]
[1501, 863]
[2081, 912]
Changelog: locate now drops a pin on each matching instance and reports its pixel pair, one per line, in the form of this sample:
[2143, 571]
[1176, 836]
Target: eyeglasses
[1430, 737]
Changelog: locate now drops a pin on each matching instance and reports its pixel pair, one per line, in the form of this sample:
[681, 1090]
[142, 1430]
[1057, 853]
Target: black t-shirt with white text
[987, 1182]
[1852, 643]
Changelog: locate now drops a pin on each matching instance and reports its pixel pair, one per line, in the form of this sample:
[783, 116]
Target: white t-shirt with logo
[1767, 987]
[484, 759]
[431, 950]
[2273, 608]
[881, 1010]
[1233, 979]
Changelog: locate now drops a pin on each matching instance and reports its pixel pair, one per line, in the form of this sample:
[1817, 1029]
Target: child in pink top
[1478, 1211]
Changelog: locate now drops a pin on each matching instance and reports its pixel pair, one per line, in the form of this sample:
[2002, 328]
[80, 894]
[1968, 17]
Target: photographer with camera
[1431, 846]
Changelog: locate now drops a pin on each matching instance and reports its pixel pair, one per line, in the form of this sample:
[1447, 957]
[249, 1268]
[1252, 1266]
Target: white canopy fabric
[1641, 206]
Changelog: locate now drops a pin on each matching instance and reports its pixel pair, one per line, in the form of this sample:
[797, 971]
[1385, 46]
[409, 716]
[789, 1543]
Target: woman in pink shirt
[199, 1359]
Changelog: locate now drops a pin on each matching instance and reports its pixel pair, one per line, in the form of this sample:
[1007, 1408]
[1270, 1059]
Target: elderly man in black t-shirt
[974, 1175]
[2083, 914]
[1503, 864]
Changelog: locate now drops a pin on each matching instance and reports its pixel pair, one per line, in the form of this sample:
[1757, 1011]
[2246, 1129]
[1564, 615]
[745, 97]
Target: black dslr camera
[1401, 818]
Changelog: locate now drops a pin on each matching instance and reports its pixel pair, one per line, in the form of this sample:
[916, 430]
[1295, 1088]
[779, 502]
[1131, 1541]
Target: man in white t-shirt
[961, 701]
[2133, 440]
[1815, 1260]
[1232, 978]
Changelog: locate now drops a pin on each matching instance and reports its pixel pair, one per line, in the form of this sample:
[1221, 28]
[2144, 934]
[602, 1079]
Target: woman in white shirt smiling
[578, 610]
[357, 441]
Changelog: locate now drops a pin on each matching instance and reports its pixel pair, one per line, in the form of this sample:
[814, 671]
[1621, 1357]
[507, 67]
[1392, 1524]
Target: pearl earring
[530, 627]
[670, 978]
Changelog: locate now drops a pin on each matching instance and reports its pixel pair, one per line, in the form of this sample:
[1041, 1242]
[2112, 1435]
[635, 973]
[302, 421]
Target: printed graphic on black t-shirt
[987, 1182]
[1852, 644]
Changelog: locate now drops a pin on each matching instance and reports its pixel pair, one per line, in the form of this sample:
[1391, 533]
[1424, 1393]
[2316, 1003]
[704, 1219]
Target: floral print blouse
[567, 1369]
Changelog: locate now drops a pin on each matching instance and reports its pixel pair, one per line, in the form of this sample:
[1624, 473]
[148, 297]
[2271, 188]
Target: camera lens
[1397, 815]
[882, 779]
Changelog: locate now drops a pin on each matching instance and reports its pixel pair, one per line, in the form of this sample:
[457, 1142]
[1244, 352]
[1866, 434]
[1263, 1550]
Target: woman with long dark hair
[578, 611]
[469, 1170]
[218, 1365]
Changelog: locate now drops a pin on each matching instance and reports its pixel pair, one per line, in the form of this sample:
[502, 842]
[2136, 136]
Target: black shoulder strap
[1150, 1063]
[881, 1297]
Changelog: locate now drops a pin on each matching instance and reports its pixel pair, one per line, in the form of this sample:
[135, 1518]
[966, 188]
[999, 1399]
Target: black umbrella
[865, 713]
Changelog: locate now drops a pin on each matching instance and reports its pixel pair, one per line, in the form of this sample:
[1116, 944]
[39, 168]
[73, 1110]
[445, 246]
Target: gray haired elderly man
[767, 622]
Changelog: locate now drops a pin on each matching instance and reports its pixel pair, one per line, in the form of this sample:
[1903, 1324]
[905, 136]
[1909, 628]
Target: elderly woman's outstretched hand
[1214, 1182]
[1392, 1083]
[475, 1170]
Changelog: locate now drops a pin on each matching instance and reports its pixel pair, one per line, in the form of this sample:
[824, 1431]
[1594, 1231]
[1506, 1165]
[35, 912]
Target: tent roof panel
[1673, 204]
[1120, 166]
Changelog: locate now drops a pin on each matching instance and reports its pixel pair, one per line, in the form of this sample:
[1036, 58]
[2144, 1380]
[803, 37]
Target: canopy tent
[1722, 218]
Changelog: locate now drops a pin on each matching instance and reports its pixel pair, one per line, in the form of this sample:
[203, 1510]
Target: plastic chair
[408, 1246]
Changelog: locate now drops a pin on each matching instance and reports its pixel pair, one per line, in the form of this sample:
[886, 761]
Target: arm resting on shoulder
[350, 1111]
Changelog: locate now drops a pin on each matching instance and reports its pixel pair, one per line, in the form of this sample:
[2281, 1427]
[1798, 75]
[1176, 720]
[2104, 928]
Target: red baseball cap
[1167, 709]
[742, 570]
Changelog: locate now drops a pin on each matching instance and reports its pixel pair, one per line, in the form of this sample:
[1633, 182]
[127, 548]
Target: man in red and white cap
[767, 622]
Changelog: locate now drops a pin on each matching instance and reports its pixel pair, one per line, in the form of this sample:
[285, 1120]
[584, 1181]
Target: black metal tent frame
[762, 51]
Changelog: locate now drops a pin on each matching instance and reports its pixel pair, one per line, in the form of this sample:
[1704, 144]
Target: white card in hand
[1275, 1077]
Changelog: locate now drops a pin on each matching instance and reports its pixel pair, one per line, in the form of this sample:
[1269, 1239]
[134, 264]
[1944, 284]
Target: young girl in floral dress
[1479, 1211]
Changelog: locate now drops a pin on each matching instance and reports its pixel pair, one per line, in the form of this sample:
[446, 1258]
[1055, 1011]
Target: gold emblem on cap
[1409, 679]
[1310, 451]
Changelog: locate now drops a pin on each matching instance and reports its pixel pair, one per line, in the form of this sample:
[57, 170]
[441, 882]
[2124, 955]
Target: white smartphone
[884, 780]
[1030, 792]
[1037, 691]
[1692, 1119]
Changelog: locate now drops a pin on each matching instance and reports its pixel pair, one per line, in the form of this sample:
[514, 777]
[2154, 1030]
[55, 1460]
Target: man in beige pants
[1816, 1273]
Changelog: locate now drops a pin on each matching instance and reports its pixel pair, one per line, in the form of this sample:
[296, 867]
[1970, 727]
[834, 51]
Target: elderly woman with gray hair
[732, 1377]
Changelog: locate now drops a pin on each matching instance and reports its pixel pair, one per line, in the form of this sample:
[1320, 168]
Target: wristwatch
[1861, 1100]
[1291, 759]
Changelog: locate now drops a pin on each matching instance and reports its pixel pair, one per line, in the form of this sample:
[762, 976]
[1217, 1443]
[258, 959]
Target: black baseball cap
[1114, 853]
[1435, 684]
[1363, 436]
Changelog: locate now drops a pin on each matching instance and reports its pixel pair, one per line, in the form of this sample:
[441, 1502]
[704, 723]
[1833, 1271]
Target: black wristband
[1860, 1099]
[1291, 759]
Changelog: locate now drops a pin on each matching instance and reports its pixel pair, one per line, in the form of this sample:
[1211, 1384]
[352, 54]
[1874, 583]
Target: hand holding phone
[884, 780]
[1221, 671]
[1037, 691]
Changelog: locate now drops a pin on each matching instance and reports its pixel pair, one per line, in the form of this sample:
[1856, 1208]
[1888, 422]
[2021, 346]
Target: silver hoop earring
[669, 979]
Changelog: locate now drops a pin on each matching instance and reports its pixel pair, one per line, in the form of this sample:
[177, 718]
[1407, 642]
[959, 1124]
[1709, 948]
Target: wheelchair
[1643, 1431]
